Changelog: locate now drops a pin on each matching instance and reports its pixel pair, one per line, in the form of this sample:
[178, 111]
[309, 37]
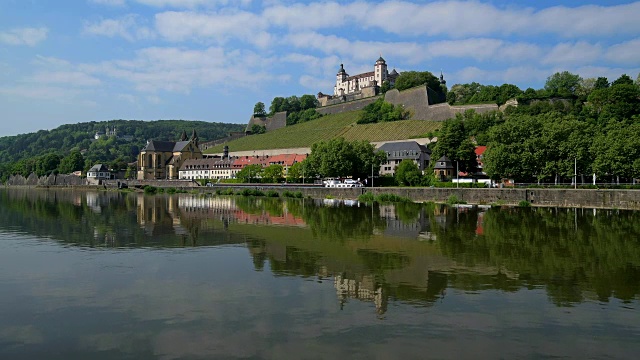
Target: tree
[407, 173]
[386, 86]
[338, 157]
[382, 111]
[72, 162]
[409, 79]
[295, 172]
[277, 104]
[601, 83]
[250, 173]
[563, 84]
[453, 141]
[258, 129]
[259, 110]
[47, 164]
[620, 102]
[624, 79]
[272, 173]
[308, 102]
[616, 150]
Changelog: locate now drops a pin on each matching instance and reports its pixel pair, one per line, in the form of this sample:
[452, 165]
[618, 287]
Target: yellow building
[163, 159]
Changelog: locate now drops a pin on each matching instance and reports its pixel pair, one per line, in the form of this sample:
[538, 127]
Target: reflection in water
[393, 260]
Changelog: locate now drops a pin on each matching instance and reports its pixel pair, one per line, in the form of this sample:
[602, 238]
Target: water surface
[111, 275]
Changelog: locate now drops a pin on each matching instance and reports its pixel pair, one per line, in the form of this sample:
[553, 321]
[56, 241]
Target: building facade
[346, 84]
[97, 173]
[163, 159]
[208, 168]
[398, 151]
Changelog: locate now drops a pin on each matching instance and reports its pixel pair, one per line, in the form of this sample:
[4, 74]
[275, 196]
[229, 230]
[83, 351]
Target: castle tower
[183, 137]
[341, 77]
[380, 70]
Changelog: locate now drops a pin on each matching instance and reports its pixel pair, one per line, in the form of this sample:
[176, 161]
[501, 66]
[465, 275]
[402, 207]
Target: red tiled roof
[480, 150]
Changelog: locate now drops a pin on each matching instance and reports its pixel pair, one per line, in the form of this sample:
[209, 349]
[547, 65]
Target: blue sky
[70, 61]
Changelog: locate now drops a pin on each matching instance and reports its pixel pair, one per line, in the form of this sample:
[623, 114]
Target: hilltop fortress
[353, 93]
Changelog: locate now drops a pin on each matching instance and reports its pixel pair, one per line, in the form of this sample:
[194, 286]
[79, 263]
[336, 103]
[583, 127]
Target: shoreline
[622, 199]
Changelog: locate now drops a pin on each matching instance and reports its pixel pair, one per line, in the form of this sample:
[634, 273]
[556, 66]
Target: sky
[70, 61]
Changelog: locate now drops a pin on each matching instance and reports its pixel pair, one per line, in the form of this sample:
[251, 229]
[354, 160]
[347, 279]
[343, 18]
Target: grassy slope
[329, 127]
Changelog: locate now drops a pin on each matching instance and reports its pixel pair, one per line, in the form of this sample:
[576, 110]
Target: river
[110, 275]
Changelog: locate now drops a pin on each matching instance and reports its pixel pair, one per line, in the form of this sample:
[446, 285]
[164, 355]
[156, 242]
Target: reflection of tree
[570, 251]
[342, 222]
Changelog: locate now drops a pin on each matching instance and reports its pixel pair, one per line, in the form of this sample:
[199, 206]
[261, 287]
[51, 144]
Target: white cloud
[109, 2]
[577, 53]
[127, 98]
[180, 70]
[191, 3]
[24, 36]
[72, 78]
[472, 18]
[480, 49]
[625, 53]
[39, 92]
[126, 27]
[216, 27]
[314, 83]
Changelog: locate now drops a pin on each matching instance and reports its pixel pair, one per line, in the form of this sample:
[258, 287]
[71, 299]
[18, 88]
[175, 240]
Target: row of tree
[298, 109]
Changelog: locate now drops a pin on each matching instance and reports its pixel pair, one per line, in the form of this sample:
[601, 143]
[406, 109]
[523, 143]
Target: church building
[163, 159]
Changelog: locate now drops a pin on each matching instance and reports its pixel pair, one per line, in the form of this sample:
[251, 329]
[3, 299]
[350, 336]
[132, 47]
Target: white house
[97, 173]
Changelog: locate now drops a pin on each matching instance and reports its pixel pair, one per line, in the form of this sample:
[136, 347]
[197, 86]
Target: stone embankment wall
[51, 180]
[609, 199]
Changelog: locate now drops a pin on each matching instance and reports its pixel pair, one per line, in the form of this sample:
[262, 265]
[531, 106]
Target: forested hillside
[73, 147]
[589, 126]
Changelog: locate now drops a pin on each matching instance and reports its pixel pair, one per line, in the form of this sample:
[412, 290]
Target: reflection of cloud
[23, 335]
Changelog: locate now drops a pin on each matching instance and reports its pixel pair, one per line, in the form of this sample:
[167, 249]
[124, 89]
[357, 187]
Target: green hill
[329, 127]
[27, 153]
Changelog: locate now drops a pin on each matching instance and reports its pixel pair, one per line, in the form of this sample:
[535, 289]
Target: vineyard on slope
[329, 127]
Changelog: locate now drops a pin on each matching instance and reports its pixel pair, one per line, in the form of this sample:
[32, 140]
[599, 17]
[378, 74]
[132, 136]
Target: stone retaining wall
[609, 199]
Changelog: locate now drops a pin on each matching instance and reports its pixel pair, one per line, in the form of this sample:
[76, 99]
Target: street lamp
[457, 176]
[372, 173]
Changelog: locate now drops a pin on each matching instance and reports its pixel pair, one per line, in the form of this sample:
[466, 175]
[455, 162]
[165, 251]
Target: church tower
[380, 71]
[443, 82]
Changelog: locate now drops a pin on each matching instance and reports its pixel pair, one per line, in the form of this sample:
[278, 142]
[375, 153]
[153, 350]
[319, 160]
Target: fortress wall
[345, 107]
[415, 100]
[479, 108]
[277, 121]
[439, 112]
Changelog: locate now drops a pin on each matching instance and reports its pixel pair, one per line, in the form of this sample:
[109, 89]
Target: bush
[150, 190]
[171, 190]
[453, 199]
[524, 203]
[251, 192]
[366, 197]
[273, 193]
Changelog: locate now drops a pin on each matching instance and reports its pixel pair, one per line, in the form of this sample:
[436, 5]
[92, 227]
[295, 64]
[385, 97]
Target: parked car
[351, 183]
[331, 183]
